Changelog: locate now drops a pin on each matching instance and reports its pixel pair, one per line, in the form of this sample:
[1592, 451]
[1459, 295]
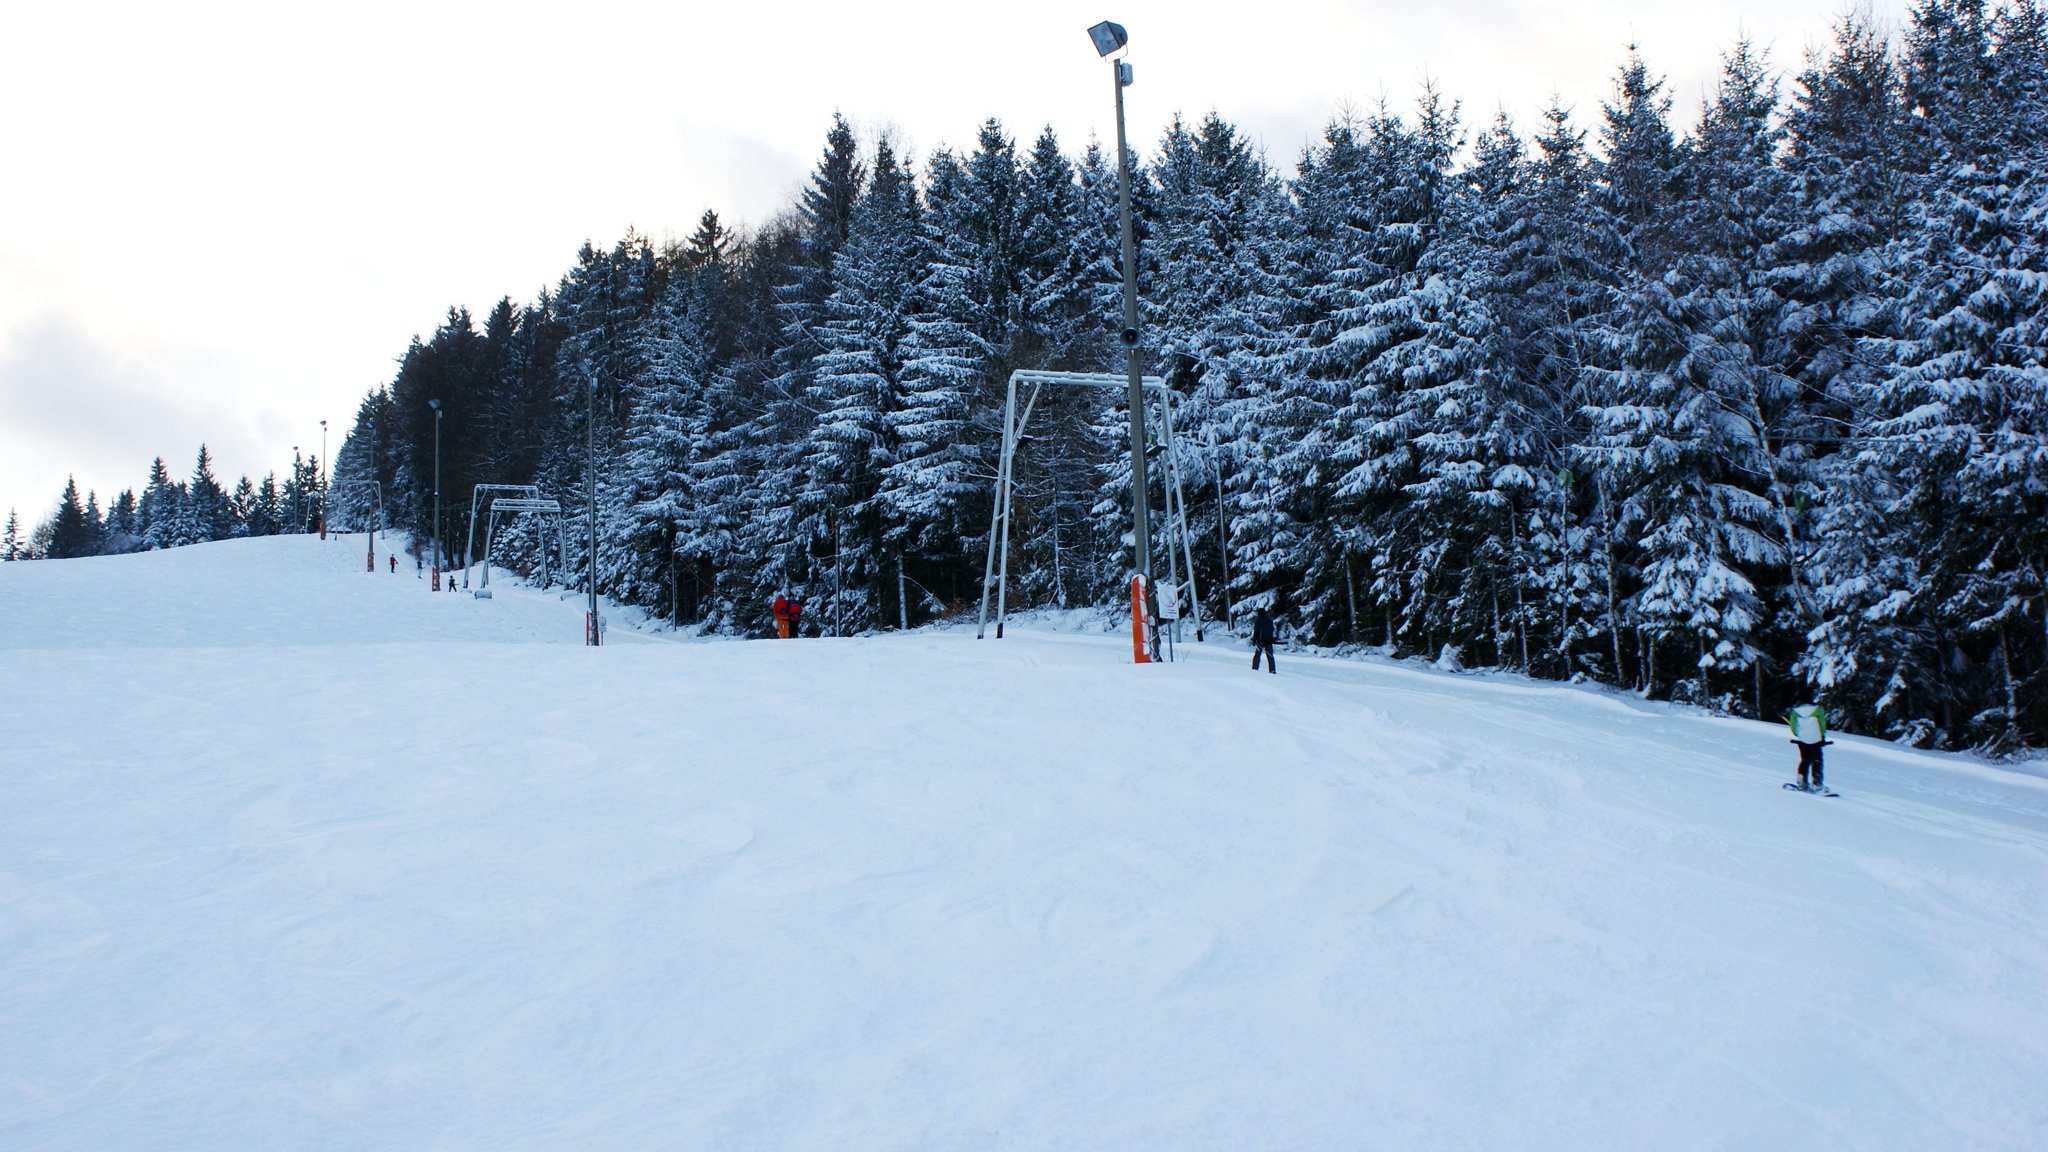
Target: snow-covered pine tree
[1967, 409]
[1074, 484]
[1637, 181]
[508, 400]
[974, 221]
[159, 506]
[1290, 548]
[1486, 489]
[242, 511]
[1694, 428]
[858, 391]
[70, 533]
[665, 443]
[708, 244]
[203, 512]
[1061, 264]
[969, 306]
[1220, 307]
[1375, 329]
[1854, 164]
[1551, 264]
[825, 212]
[363, 465]
[12, 546]
[928, 485]
[299, 500]
[123, 531]
[448, 369]
[95, 523]
[1065, 262]
[717, 576]
[599, 306]
[269, 515]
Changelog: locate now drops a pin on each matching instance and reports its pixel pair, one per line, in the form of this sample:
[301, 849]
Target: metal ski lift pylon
[514, 499]
[1179, 548]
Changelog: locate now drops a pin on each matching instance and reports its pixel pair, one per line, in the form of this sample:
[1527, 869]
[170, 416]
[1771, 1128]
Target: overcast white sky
[224, 221]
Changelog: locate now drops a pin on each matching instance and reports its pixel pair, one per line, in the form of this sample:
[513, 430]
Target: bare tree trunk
[1350, 601]
[1495, 597]
[1613, 589]
[1564, 578]
[1521, 613]
[1059, 573]
[1706, 670]
[2010, 739]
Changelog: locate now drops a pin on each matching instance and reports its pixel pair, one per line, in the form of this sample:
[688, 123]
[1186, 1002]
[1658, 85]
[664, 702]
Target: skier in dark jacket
[1262, 640]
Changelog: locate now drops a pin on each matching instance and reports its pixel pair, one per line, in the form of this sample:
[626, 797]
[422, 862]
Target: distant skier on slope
[781, 611]
[796, 616]
[1262, 640]
[1810, 731]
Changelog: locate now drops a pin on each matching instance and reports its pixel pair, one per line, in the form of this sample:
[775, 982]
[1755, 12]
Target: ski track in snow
[293, 855]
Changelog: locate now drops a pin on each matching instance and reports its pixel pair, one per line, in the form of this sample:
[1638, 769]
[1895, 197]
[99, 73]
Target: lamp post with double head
[1110, 38]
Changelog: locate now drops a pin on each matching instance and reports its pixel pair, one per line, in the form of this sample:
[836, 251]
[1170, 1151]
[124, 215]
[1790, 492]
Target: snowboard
[1815, 791]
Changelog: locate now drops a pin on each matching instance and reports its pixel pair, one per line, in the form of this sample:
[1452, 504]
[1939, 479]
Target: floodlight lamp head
[1108, 37]
[434, 404]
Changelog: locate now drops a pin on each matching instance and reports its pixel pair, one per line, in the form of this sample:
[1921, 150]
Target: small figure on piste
[781, 610]
[1262, 640]
[796, 616]
[1810, 732]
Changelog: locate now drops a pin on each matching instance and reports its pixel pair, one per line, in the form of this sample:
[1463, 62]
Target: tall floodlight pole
[298, 497]
[323, 479]
[592, 636]
[436, 406]
[1110, 37]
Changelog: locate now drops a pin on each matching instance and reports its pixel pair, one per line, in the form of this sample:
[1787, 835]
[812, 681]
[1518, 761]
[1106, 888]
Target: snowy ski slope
[296, 856]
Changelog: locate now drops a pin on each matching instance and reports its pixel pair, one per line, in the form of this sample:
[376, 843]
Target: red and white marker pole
[1141, 648]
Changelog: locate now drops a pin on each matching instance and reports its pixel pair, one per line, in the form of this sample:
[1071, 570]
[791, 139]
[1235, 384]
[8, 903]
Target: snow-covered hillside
[296, 856]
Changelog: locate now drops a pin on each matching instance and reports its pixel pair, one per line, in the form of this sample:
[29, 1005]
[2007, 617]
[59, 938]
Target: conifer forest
[1733, 412]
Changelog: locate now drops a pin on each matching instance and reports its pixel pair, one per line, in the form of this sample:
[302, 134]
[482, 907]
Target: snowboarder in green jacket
[1810, 731]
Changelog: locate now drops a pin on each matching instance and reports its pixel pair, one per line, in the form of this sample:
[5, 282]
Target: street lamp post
[592, 635]
[436, 531]
[1109, 38]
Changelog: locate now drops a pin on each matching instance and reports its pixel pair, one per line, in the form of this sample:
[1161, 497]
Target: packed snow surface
[297, 856]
